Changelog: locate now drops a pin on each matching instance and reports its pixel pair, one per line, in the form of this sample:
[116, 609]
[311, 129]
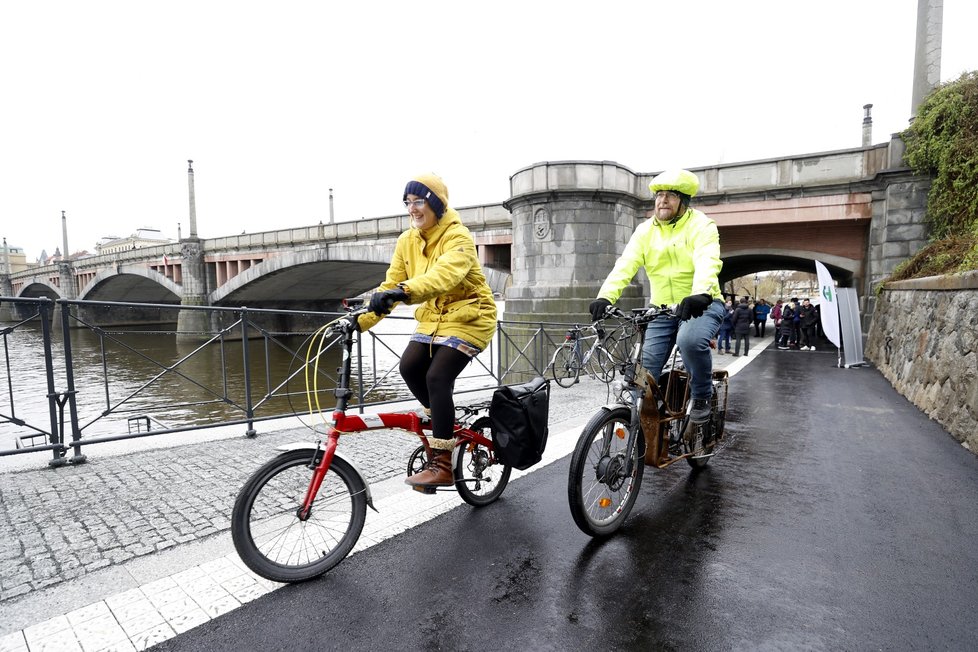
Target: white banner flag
[828, 304]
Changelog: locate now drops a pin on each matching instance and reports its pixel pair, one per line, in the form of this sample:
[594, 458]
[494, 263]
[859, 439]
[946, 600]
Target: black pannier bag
[520, 416]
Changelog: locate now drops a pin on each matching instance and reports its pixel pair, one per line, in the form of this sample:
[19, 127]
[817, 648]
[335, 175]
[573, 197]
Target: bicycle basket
[675, 382]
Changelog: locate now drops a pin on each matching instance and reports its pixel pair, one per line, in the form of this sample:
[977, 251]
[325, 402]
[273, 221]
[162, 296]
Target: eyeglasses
[417, 203]
[665, 194]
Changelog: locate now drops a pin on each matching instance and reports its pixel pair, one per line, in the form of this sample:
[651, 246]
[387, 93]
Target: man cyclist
[679, 247]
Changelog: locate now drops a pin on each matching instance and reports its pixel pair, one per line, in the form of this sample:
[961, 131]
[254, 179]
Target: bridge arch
[40, 288]
[745, 262]
[131, 283]
[308, 277]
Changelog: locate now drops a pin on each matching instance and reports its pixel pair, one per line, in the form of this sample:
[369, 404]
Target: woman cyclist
[436, 267]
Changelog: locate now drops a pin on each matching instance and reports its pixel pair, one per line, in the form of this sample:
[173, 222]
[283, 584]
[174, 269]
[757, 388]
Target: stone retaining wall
[924, 340]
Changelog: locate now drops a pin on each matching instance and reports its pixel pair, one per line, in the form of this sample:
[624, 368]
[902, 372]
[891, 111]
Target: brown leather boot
[437, 473]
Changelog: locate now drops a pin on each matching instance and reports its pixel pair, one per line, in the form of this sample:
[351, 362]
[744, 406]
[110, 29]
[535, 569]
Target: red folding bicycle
[301, 513]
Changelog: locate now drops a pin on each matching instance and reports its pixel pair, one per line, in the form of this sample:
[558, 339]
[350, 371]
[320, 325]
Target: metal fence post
[77, 458]
[245, 359]
[44, 310]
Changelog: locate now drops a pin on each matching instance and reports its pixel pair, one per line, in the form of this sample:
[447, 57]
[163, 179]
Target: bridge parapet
[818, 169]
[806, 171]
[476, 218]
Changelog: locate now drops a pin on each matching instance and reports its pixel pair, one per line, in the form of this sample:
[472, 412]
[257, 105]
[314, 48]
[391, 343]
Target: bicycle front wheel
[479, 476]
[603, 484]
[269, 535]
[566, 365]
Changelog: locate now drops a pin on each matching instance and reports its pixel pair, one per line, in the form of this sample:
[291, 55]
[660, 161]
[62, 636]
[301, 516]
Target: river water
[130, 377]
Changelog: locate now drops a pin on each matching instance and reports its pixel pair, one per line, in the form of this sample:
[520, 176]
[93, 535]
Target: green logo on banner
[827, 292]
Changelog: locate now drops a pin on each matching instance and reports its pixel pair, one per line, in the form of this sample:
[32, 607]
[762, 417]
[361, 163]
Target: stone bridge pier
[192, 324]
[570, 223]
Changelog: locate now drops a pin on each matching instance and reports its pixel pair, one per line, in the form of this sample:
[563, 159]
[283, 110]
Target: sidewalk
[123, 552]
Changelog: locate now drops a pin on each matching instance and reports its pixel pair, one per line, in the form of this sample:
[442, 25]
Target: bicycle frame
[660, 407]
[343, 423]
[586, 348]
[577, 336]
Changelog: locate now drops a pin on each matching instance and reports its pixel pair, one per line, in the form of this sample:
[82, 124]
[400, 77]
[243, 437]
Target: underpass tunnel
[769, 276]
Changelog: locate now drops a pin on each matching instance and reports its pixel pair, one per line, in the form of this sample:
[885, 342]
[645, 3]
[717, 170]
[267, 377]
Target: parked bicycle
[648, 424]
[590, 349]
[302, 512]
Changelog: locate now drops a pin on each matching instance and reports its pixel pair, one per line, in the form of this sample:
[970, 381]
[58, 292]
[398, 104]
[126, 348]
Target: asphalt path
[837, 517]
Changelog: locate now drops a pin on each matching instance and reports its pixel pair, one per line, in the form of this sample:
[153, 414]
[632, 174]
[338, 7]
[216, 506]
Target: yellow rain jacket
[680, 259]
[441, 271]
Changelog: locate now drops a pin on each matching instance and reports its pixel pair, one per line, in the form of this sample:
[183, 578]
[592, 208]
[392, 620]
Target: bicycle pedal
[425, 489]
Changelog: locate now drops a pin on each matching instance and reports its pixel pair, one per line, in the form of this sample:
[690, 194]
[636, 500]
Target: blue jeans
[723, 340]
[693, 337]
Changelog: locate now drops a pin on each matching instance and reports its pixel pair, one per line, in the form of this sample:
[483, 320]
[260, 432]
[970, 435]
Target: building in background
[16, 257]
[144, 237]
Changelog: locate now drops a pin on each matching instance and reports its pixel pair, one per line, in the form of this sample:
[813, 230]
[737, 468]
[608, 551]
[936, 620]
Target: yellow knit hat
[432, 189]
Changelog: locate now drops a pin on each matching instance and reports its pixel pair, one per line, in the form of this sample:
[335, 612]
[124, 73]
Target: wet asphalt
[836, 517]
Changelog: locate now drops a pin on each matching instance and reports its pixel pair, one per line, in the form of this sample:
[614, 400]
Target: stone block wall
[563, 249]
[898, 230]
[925, 342]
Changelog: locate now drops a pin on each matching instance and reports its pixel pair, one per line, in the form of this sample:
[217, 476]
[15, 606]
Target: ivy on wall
[942, 142]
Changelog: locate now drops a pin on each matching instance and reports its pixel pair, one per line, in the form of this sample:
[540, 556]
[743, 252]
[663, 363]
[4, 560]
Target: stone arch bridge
[307, 267]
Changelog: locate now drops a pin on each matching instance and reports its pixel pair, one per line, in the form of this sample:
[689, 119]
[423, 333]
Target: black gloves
[693, 306]
[598, 308]
[381, 303]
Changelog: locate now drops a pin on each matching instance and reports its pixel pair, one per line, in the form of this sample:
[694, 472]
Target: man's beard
[668, 215]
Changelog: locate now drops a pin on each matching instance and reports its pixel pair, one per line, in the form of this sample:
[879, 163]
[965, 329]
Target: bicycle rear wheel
[719, 408]
[266, 529]
[700, 453]
[566, 365]
[711, 433]
[479, 476]
[600, 489]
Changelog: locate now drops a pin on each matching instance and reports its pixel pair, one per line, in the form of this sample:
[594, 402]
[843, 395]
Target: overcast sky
[104, 102]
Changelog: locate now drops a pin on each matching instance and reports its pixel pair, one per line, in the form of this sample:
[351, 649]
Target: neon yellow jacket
[680, 259]
[440, 270]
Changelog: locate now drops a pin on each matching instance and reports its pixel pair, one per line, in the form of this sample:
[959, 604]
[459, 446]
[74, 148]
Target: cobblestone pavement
[62, 523]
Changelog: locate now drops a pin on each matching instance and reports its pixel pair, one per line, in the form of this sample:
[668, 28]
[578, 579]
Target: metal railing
[219, 370]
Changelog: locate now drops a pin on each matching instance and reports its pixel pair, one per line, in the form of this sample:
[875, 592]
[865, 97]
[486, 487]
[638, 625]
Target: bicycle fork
[634, 427]
[318, 473]
[578, 358]
[636, 391]
[635, 381]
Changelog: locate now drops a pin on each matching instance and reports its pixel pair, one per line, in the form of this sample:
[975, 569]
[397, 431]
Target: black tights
[430, 372]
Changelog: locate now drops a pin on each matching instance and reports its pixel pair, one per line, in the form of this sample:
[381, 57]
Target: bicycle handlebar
[640, 315]
[354, 308]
